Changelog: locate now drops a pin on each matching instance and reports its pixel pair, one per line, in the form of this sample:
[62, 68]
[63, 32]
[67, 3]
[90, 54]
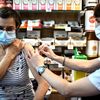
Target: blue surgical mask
[6, 37]
[97, 31]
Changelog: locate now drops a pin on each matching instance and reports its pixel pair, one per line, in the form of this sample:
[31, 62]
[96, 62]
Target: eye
[10, 28]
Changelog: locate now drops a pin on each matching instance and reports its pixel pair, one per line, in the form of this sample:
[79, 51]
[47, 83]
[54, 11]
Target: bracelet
[63, 62]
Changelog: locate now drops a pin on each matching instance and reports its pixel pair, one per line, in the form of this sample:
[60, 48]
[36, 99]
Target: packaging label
[2, 3]
[99, 49]
[78, 5]
[68, 4]
[89, 20]
[50, 5]
[60, 5]
[91, 3]
[17, 4]
[25, 4]
[34, 4]
[9, 3]
[92, 48]
[42, 4]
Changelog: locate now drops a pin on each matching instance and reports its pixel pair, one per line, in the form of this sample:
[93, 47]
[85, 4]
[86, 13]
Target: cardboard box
[17, 4]
[25, 4]
[50, 5]
[9, 3]
[76, 5]
[42, 4]
[59, 4]
[68, 4]
[34, 4]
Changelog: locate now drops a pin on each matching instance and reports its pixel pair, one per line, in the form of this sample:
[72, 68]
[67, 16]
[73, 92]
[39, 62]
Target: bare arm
[42, 84]
[11, 52]
[4, 64]
[82, 87]
[76, 64]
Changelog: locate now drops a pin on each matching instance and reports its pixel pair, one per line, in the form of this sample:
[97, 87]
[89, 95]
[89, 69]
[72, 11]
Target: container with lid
[92, 45]
[91, 3]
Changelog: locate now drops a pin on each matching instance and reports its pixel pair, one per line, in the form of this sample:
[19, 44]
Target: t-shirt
[95, 78]
[16, 79]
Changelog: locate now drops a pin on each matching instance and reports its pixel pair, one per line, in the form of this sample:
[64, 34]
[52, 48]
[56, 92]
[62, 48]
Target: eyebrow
[7, 26]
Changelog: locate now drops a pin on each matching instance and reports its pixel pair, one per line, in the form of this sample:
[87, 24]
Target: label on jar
[92, 48]
[99, 49]
[89, 3]
[89, 20]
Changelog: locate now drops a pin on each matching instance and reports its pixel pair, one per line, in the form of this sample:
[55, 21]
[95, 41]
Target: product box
[68, 5]
[42, 4]
[17, 4]
[26, 5]
[50, 5]
[91, 3]
[2, 3]
[59, 5]
[9, 3]
[24, 24]
[33, 34]
[76, 5]
[34, 23]
[34, 4]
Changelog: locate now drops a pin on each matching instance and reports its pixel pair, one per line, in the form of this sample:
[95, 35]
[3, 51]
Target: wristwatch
[40, 69]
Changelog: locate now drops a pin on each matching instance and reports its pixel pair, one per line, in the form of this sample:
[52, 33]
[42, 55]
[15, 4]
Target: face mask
[97, 31]
[7, 38]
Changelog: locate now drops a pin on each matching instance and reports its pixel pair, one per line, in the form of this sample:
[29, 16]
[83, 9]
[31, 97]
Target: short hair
[6, 12]
[97, 10]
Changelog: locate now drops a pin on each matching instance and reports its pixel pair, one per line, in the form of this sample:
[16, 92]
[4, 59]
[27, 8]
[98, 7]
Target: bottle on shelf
[92, 45]
[99, 49]
[78, 74]
[89, 19]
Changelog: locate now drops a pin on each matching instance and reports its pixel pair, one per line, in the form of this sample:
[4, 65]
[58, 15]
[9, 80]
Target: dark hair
[97, 10]
[6, 12]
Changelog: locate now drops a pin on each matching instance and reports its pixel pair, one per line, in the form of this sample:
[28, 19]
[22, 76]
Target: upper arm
[82, 87]
[96, 63]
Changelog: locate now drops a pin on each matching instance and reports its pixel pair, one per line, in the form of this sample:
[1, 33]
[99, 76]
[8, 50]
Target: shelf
[59, 16]
[49, 28]
[53, 11]
[61, 43]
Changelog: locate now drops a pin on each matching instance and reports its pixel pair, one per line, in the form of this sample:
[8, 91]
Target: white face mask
[7, 38]
[97, 31]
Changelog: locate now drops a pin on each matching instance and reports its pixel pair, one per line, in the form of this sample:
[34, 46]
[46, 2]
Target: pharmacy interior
[66, 26]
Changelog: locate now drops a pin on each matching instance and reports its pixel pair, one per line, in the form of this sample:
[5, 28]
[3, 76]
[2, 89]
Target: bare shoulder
[28, 46]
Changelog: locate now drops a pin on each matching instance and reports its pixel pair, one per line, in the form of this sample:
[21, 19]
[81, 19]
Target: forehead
[7, 22]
